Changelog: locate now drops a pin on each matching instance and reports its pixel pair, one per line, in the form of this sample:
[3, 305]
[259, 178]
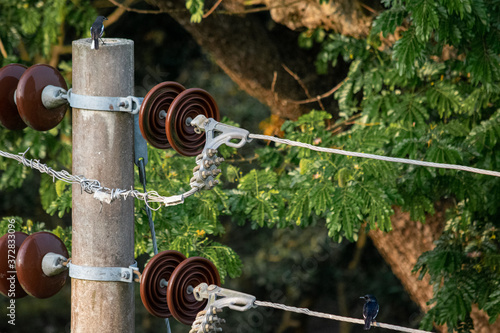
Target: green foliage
[344, 192]
[409, 53]
[387, 22]
[34, 27]
[195, 7]
[190, 228]
[29, 227]
[464, 269]
[434, 96]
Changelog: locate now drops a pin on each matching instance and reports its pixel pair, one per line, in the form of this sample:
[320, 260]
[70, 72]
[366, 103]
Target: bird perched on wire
[96, 31]
[370, 310]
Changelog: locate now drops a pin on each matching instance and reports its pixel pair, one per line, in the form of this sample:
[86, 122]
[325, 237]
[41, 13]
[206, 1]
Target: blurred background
[296, 266]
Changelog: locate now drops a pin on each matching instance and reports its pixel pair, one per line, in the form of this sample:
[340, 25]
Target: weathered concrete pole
[103, 234]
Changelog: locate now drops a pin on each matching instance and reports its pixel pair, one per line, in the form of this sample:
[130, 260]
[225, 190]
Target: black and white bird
[370, 310]
[96, 31]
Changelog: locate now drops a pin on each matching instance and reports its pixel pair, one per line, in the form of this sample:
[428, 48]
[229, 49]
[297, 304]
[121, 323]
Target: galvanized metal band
[109, 274]
[130, 104]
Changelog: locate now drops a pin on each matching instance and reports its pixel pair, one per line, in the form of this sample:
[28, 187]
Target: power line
[219, 298]
[335, 317]
[92, 186]
[373, 156]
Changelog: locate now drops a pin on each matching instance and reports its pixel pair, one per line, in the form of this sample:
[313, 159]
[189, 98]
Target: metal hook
[219, 134]
[220, 297]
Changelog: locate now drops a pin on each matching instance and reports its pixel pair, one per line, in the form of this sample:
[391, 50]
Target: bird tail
[368, 323]
[95, 44]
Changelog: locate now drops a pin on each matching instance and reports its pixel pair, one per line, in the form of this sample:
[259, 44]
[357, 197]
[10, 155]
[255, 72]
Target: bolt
[212, 152]
[163, 283]
[125, 275]
[162, 114]
[189, 290]
[208, 163]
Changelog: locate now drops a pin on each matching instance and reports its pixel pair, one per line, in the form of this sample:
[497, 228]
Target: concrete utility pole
[103, 234]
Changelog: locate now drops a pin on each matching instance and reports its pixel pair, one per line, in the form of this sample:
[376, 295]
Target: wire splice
[92, 186]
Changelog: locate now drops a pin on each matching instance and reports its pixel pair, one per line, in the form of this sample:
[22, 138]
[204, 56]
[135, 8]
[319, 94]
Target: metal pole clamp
[130, 104]
[53, 96]
[109, 274]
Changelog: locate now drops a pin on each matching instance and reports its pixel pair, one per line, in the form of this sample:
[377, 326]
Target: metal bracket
[53, 96]
[140, 145]
[109, 274]
[128, 104]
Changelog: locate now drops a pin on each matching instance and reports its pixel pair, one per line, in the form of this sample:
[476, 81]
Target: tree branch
[207, 14]
[319, 97]
[250, 53]
[140, 11]
[2, 49]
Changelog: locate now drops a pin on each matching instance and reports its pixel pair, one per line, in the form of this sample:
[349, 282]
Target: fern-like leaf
[425, 17]
[408, 51]
[445, 98]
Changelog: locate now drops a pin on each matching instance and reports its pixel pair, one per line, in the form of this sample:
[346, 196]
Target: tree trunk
[255, 55]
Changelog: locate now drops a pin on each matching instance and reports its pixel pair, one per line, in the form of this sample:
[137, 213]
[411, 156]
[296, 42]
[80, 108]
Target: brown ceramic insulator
[153, 293]
[151, 118]
[189, 104]
[29, 97]
[9, 248]
[9, 77]
[29, 265]
[189, 274]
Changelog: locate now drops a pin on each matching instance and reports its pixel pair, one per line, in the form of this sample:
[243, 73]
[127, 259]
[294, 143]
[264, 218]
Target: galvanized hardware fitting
[53, 264]
[109, 274]
[217, 134]
[140, 145]
[128, 104]
[206, 170]
[218, 298]
[53, 96]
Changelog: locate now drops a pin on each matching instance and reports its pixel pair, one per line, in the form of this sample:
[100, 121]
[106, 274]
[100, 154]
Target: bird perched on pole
[96, 31]
[370, 310]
